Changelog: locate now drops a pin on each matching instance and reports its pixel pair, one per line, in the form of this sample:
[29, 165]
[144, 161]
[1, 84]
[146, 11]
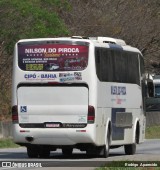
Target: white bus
[77, 93]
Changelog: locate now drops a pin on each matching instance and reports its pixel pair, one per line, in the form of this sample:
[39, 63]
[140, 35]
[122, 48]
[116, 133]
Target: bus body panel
[54, 136]
[111, 100]
[119, 95]
[52, 104]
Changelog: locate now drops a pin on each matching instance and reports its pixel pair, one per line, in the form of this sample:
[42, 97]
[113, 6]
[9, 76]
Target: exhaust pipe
[29, 138]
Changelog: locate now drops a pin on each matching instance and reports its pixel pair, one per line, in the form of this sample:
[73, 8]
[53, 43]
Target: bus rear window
[52, 57]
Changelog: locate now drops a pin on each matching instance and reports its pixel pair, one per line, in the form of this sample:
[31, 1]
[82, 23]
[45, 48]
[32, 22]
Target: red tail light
[15, 114]
[91, 114]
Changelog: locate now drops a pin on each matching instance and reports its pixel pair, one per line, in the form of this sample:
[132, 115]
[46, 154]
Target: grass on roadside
[7, 143]
[153, 132]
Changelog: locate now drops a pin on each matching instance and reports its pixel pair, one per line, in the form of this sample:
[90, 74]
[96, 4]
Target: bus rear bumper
[54, 136]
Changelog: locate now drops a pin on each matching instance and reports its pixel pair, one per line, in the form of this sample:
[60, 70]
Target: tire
[105, 149]
[67, 151]
[44, 154]
[131, 148]
[32, 151]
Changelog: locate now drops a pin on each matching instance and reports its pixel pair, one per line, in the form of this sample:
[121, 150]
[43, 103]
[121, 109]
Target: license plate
[52, 125]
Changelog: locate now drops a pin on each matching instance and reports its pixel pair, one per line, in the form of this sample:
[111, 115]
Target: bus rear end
[50, 105]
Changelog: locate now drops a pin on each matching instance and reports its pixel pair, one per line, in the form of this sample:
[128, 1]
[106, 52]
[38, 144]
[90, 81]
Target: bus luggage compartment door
[52, 104]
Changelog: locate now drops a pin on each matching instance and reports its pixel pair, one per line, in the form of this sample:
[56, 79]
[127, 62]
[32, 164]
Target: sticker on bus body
[40, 76]
[63, 77]
[78, 75]
[23, 109]
[82, 119]
[118, 90]
[70, 76]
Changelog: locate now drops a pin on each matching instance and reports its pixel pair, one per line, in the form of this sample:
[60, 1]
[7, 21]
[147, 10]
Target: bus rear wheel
[44, 153]
[105, 149]
[130, 149]
[32, 151]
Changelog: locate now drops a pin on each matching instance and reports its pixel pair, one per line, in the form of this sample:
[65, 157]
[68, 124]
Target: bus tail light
[15, 114]
[91, 114]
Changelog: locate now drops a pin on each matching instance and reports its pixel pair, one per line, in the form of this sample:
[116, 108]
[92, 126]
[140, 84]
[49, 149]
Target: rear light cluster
[91, 114]
[90, 119]
[15, 114]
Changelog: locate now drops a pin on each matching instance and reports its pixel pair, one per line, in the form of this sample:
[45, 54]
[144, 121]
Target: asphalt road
[147, 151]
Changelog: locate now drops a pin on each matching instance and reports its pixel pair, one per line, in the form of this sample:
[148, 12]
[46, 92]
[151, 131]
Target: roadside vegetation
[7, 143]
[23, 20]
[134, 21]
[153, 132]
